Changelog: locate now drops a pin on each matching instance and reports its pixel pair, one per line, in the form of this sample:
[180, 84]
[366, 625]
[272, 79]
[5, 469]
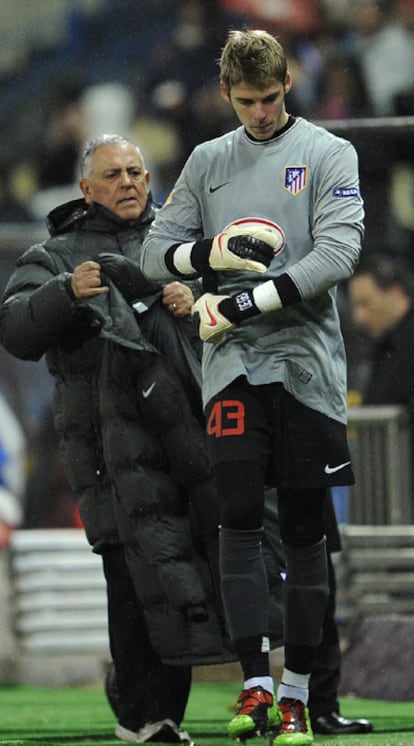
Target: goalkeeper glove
[236, 248]
[244, 249]
[220, 313]
[212, 323]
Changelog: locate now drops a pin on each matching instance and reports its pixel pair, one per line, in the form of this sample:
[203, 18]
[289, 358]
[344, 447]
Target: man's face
[117, 180]
[373, 308]
[261, 111]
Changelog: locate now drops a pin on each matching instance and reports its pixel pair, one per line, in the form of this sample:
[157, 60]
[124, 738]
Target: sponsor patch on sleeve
[346, 192]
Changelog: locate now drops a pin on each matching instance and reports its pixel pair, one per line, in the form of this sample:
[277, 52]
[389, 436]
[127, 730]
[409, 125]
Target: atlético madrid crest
[296, 178]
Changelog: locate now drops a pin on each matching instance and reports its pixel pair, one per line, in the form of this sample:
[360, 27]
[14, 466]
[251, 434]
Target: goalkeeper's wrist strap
[268, 296]
[189, 258]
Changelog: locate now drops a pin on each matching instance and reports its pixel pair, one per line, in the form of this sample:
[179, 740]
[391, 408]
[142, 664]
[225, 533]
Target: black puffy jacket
[132, 444]
[39, 316]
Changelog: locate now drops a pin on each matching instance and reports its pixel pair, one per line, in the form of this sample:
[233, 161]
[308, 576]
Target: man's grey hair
[93, 145]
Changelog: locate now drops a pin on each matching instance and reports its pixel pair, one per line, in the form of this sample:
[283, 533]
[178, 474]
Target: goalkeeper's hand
[236, 248]
[219, 313]
[212, 323]
[250, 249]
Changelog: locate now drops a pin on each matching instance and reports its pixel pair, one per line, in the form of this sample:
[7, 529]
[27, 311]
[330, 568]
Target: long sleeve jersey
[304, 181]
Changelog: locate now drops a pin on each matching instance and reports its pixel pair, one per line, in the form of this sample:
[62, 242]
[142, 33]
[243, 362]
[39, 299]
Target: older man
[46, 310]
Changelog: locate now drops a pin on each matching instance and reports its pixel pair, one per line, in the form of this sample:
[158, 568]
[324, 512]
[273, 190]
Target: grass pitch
[32, 716]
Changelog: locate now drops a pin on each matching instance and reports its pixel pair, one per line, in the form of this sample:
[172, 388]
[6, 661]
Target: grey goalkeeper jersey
[305, 181]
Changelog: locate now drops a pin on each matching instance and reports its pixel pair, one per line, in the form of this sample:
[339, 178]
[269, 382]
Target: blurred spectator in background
[342, 93]
[293, 16]
[58, 151]
[106, 107]
[400, 199]
[382, 293]
[150, 44]
[180, 70]
[185, 53]
[12, 210]
[342, 56]
[60, 146]
[384, 46]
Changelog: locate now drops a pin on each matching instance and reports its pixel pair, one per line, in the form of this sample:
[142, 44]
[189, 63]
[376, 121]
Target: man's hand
[212, 323]
[178, 299]
[249, 249]
[86, 280]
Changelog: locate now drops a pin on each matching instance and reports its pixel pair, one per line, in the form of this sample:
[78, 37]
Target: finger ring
[174, 305]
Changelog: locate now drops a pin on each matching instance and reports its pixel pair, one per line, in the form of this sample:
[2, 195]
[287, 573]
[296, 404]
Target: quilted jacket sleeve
[36, 307]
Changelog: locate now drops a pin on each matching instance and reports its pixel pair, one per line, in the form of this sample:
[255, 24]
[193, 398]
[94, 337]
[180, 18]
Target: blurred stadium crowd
[148, 69]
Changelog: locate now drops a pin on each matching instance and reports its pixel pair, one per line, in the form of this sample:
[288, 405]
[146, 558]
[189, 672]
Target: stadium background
[147, 69]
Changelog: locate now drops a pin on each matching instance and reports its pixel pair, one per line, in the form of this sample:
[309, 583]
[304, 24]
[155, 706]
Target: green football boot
[256, 715]
[295, 728]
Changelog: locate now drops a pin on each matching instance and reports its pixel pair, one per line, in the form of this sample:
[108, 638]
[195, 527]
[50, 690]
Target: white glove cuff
[182, 259]
[266, 297]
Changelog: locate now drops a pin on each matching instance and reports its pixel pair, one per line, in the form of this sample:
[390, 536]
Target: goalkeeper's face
[261, 110]
[118, 180]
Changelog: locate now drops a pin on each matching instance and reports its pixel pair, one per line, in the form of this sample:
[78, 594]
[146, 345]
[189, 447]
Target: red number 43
[226, 418]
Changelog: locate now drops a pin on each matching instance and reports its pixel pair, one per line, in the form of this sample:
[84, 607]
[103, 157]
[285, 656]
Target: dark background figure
[381, 296]
[324, 707]
[12, 210]
[60, 147]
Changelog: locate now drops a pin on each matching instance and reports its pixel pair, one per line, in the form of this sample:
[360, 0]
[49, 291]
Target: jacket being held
[131, 439]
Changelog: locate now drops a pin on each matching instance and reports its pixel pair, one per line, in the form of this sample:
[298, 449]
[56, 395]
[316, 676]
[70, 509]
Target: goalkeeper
[270, 216]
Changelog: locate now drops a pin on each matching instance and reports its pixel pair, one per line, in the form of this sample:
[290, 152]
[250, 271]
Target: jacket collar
[76, 213]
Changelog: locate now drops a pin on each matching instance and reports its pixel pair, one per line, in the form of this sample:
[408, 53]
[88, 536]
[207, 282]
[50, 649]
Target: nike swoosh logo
[220, 243]
[213, 320]
[333, 469]
[146, 392]
[213, 189]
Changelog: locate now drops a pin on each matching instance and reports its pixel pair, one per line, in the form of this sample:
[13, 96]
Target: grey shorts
[297, 447]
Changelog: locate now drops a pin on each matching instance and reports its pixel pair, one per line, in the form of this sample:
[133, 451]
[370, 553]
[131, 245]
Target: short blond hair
[254, 57]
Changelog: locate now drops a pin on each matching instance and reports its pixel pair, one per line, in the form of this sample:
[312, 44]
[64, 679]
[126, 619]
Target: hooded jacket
[131, 437]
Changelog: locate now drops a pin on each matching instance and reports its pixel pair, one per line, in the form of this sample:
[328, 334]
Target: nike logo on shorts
[213, 189]
[147, 392]
[333, 469]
